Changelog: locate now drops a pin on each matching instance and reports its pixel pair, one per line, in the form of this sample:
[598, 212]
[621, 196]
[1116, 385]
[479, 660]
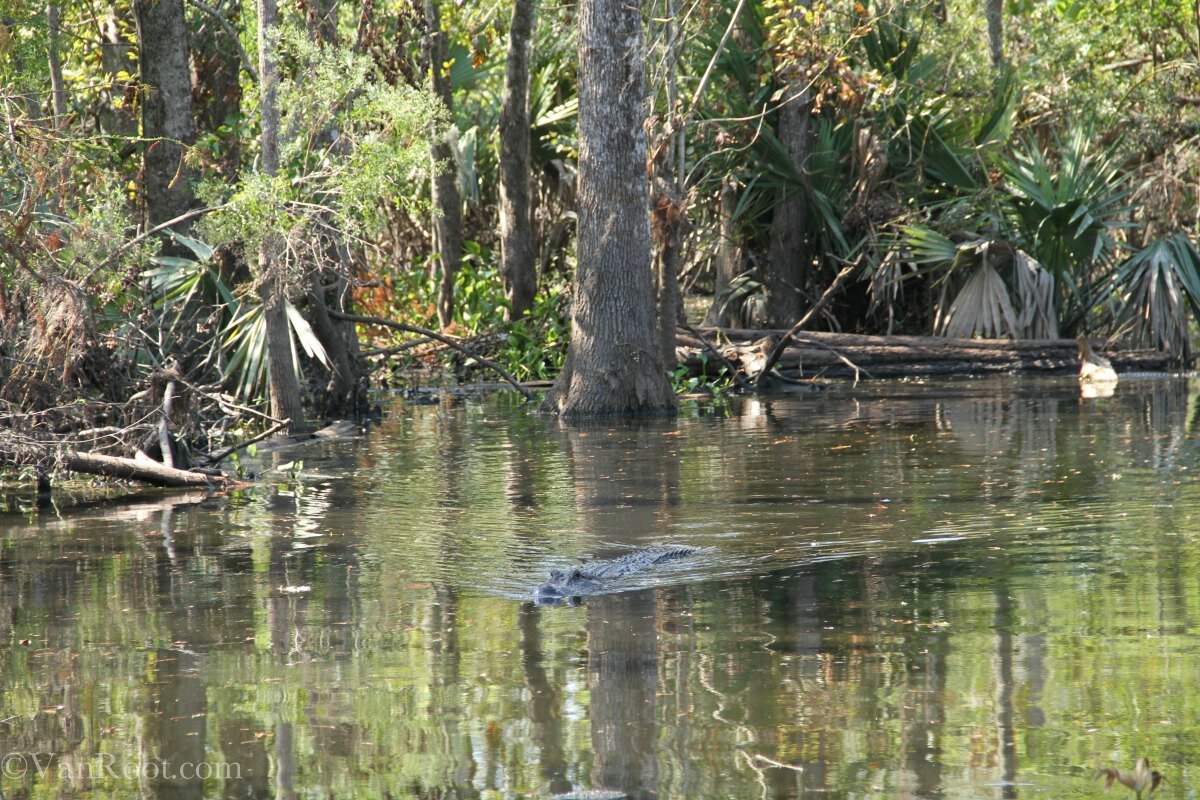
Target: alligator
[568, 585]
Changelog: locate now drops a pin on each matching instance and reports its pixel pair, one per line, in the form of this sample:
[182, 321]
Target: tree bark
[321, 18]
[517, 252]
[668, 200]
[272, 277]
[447, 203]
[168, 126]
[614, 364]
[729, 257]
[994, 11]
[788, 257]
[668, 233]
[115, 47]
[788, 254]
[58, 94]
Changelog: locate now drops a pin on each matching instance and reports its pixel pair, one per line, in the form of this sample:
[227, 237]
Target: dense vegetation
[1026, 172]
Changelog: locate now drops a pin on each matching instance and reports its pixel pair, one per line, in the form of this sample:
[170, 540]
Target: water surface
[953, 590]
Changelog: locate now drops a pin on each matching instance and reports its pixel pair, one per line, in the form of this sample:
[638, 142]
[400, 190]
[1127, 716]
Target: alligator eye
[576, 575]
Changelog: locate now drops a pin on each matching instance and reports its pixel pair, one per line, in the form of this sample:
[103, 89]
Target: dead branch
[734, 373]
[761, 379]
[225, 452]
[446, 340]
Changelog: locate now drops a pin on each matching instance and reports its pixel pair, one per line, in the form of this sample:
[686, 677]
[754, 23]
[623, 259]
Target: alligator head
[566, 586]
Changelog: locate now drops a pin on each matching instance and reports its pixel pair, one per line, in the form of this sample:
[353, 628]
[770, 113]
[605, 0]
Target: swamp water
[965, 590]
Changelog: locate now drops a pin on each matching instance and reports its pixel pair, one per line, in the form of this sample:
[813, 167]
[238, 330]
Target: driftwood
[818, 354]
[136, 469]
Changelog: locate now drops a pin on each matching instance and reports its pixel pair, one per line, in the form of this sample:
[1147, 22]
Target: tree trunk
[729, 258]
[614, 364]
[272, 277]
[447, 203]
[58, 94]
[788, 258]
[518, 257]
[667, 202]
[321, 18]
[115, 48]
[994, 11]
[167, 121]
[668, 235]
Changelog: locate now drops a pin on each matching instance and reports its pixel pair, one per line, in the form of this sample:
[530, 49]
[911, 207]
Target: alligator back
[590, 577]
[632, 562]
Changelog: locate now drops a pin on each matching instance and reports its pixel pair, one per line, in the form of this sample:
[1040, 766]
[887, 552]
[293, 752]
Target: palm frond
[1035, 298]
[981, 308]
[1157, 287]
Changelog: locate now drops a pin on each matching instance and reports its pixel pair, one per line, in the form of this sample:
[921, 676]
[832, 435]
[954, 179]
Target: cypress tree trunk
[272, 272]
[167, 121]
[518, 257]
[447, 225]
[614, 364]
[668, 199]
[788, 258]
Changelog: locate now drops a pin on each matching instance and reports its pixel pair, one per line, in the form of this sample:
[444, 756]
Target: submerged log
[820, 354]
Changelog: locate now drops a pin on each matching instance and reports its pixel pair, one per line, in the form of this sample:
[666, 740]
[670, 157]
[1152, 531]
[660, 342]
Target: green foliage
[1158, 286]
[1066, 210]
[350, 145]
[23, 41]
[531, 348]
[191, 292]
[1052, 227]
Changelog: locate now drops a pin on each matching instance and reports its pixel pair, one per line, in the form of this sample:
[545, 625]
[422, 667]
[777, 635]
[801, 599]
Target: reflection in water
[622, 683]
[982, 590]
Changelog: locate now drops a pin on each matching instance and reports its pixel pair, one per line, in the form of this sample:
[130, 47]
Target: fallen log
[144, 470]
[812, 354]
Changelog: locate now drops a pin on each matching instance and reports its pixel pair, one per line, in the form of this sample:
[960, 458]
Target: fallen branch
[225, 452]
[446, 340]
[761, 379]
[734, 373]
[837, 354]
[134, 470]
